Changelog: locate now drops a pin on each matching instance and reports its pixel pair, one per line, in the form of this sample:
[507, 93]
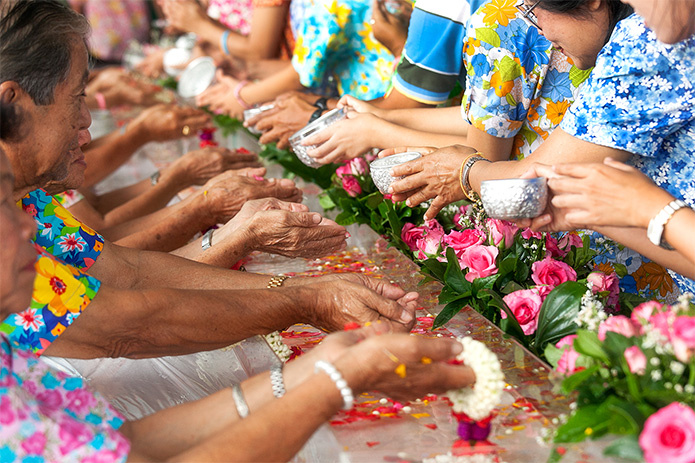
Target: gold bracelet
[276, 281]
[465, 173]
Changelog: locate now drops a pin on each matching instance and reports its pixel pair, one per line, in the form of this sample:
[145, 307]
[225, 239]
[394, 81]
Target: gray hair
[35, 45]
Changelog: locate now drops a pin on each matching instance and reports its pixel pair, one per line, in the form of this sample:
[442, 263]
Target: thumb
[303, 219]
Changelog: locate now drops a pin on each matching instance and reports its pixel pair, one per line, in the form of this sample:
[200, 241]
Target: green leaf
[484, 283]
[510, 325]
[511, 287]
[626, 447]
[454, 276]
[587, 343]
[345, 219]
[575, 430]
[326, 202]
[488, 35]
[552, 355]
[558, 312]
[629, 301]
[437, 269]
[448, 295]
[572, 382]
[448, 313]
[620, 269]
[625, 417]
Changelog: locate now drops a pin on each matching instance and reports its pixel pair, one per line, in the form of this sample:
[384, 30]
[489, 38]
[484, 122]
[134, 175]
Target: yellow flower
[502, 88]
[556, 111]
[341, 13]
[300, 51]
[499, 11]
[56, 286]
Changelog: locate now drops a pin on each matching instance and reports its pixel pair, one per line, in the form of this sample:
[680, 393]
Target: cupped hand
[291, 113]
[434, 176]
[199, 166]
[183, 14]
[346, 139]
[164, 122]
[404, 367]
[220, 96]
[121, 88]
[296, 234]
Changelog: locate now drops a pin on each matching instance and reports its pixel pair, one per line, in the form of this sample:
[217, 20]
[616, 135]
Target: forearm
[636, 239]
[275, 85]
[227, 248]
[396, 135]
[680, 234]
[434, 120]
[107, 153]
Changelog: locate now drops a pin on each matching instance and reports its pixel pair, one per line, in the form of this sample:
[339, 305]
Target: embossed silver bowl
[198, 76]
[380, 169]
[253, 112]
[328, 119]
[514, 198]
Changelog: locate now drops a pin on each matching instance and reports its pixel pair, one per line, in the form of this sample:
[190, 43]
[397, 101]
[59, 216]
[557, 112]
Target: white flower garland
[278, 345]
[479, 401]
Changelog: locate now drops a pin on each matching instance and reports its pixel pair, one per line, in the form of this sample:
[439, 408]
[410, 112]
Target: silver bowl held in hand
[253, 112]
[380, 169]
[198, 76]
[514, 198]
[328, 119]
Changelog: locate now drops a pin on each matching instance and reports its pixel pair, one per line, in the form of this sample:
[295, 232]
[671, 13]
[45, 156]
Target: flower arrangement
[635, 377]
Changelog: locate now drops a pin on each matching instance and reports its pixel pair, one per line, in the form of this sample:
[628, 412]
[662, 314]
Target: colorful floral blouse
[61, 293]
[69, 198]
[641, 99]
[48, 416]
[335, 48]
[60, 233]
[517, 85]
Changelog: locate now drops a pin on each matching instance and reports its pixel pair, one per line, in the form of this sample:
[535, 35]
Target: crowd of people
[594, 95]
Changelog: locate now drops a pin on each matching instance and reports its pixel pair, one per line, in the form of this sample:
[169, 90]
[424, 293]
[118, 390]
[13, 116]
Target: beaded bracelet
[340, 383]
[223, 42]
[242, 407]
[237, 94]
[276, 381]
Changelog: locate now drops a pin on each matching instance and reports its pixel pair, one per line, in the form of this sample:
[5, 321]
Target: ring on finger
[186, 130]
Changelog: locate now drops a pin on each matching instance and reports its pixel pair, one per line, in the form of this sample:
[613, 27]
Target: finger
[335, 156]
[573, 185]
[574, 170]
[539, 170]
[271, 135]
[408, 168]
[321, 137]
[392, 310]
[572, 201]
[541, 222]
[321, 151]
[434, 209]
[401, 149]
[618, 165]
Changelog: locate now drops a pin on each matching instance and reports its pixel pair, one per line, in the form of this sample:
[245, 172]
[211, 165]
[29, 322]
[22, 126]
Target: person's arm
[397, 100]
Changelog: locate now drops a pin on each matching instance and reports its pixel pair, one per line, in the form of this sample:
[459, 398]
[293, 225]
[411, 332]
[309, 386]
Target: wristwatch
[206, 243]
[655, 230]
[321, 106]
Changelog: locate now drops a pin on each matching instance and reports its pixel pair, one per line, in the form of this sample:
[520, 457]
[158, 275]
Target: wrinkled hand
[360, 299]
[346, 139]
[201, 165]
[220, 96]
[183, 14]
[434, 176]
[120, 88]
[165, 122]
[226, 195]
[291, 113]
[371, 365]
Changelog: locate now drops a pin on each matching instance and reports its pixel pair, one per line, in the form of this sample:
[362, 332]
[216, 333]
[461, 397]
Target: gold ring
[186, 130]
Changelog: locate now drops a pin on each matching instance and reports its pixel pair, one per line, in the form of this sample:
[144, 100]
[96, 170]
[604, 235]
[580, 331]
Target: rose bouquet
[635, 377]
[529, 284]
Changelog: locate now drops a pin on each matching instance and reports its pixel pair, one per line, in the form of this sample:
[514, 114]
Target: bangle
[154, 178]
[276, 281]
[464, 174]
[242, 407]
[223, 42]
[276, 381]
[655, 230]
[207, 239]
[340, 383]
[237, 94]
[101, 100]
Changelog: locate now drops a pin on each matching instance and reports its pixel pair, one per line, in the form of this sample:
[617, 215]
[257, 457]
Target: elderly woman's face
[578, 37]
[671, 20]
[17, 255]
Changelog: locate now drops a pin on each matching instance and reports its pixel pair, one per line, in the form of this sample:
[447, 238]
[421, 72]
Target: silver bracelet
[207, 239]
[465, 174]
[154, 178]
[276, 381]
[242, 407]
[340, 383]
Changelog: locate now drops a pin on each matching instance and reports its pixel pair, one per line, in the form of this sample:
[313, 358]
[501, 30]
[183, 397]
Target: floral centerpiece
[635, 377]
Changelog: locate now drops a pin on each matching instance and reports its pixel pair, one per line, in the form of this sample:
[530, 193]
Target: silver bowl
[328, 119]
[514, 198]
[198, 76]
[253, 112]
[380, 169]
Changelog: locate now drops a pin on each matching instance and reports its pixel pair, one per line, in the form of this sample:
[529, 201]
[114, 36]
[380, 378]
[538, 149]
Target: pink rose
[543, 291]
[552, 272]
[683, 337]
[602, 283]
[552, 247]
[661, 322]
[527, 234]
[618, 324]
[428, 244]
[568, 361]
[669, 435]
[636, 360]
[351, 185]
[570, 239]
[501, 230]
[460, 241]
[358, 166]
[343, 171]
[525, 304]
[34, 444]
[480, 261]
[410, 234]
[643, 312]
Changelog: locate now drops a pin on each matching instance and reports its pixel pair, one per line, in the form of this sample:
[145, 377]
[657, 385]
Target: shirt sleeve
[61, 293]
[317, 33]
[60, 233]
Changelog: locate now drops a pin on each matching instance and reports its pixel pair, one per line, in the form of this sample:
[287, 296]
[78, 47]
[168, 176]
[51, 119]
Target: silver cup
[380, 169]
[253, 112]
[198, 76]
[514, 198]
[328, 119]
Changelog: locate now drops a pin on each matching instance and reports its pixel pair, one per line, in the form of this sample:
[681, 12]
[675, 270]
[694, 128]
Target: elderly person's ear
[10, 112]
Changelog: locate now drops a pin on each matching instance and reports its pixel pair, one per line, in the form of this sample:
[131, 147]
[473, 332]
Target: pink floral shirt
[48, 416]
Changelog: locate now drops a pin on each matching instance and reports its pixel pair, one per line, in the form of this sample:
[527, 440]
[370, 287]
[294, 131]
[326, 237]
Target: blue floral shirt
[640, 98]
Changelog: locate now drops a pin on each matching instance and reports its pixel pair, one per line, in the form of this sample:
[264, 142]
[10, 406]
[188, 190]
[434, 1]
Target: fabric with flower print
[48, 416]
[69, 198]
[60, 233]
[517, 85]
[641, 99]
[335, 50]
[61, 293]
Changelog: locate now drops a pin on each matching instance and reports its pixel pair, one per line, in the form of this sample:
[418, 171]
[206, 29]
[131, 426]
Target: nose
[27, 225]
